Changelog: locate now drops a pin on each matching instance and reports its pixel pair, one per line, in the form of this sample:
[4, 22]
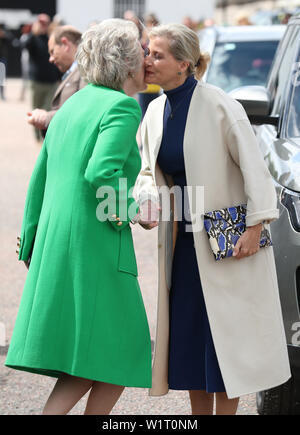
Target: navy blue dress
[193, 362]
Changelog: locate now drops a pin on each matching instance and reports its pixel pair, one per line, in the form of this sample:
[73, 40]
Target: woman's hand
[149, 214]
[248, 243]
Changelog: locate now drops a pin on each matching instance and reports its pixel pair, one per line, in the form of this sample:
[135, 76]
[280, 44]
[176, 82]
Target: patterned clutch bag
[224, 228]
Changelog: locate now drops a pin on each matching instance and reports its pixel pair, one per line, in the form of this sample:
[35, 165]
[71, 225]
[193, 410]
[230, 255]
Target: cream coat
[241, 296]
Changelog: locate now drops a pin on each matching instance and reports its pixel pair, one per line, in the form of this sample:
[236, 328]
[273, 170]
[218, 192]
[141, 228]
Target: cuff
[118, 223]
[49, 117]
[24, 251]
[265, 216]
[143, 197]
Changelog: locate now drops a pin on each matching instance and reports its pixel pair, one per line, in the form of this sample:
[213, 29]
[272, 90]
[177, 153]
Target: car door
[281, 149]
[278, 84]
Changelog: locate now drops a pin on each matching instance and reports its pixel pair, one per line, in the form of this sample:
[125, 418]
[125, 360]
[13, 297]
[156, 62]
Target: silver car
[275, 110]
[240, 55]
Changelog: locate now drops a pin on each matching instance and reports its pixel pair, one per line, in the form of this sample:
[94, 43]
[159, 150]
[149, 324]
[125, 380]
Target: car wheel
[282, 400]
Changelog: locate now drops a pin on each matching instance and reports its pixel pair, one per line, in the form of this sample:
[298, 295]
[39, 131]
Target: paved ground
[25, 393]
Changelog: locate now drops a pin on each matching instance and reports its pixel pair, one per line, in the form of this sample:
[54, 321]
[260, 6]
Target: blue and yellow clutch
[224, 227]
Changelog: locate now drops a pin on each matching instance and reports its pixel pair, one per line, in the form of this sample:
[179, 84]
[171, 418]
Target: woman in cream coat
[219, 152]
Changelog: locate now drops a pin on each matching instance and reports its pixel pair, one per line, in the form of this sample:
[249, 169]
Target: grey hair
[109, 52]
[184, 46]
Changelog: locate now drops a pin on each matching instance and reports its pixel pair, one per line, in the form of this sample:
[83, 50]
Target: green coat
[82, 312]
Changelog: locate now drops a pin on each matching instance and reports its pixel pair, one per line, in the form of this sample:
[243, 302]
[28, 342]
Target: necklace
[171, 116]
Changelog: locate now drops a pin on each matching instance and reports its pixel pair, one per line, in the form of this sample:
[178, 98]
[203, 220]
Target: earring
[179, 73]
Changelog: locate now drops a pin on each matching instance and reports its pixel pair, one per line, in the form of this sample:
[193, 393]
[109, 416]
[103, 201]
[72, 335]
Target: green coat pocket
[127, 259]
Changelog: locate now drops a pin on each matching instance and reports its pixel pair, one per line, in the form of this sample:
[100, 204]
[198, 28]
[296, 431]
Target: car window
[273, 78]
[236, 64]
[293, 119]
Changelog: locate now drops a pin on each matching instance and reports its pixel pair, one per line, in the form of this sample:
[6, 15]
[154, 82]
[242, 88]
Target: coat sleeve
[116, 139]
[258, 183]
[145, 187]
[33, 205]
[49, 117]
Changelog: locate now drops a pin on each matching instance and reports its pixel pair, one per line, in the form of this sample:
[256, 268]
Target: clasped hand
[149, 214]
[248, 243]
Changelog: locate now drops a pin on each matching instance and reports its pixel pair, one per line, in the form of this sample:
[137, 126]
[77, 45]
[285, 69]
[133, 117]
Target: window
[236, 64]
[283, 77]
[120, 6]
[282, 47]
[293, 120]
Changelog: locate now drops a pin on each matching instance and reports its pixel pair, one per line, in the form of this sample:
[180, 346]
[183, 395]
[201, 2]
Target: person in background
[285, 18]
[130, 15]
[190, 23]
[243, 20]
[26, 29]
[5, 38]
[151, 20]
[208, 22]
[44, 77]
[57, 20]
[62, 44]
[152, 91]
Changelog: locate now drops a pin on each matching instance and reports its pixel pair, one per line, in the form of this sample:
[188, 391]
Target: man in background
[5, 38]
[43, 76]
[63, 44]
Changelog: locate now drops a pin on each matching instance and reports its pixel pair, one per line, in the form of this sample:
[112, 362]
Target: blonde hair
[69, 32]
[184, 46]
[109, 51]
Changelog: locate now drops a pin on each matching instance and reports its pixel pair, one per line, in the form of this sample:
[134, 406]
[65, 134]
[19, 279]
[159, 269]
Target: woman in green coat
[82, 317]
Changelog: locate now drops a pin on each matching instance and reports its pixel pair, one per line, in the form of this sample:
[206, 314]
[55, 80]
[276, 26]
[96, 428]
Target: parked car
[240, 55]
[275, 110]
